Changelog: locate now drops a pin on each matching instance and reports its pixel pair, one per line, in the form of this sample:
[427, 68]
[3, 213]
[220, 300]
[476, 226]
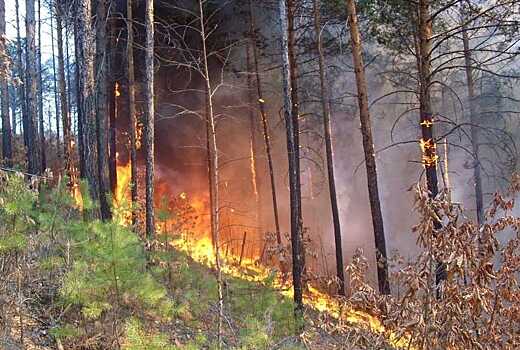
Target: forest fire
[186, 219]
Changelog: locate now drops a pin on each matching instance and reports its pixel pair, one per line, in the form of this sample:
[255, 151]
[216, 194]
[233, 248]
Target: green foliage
[12, 242]
[138, 339]
[65, 331]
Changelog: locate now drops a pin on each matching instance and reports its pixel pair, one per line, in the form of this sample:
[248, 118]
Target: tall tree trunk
[85, 64]
[479, 198]
[43, 156]
[428, 144]
[101, 75]
[253, 152]
[214, 174]
[293, 154]
[149, 129]
[33, 139]
[131, 106]
[113, 102]
[368, 147]
[7, 146]
[325, 106]
[64, 96]
[55, 85]
[21, 77]
[80, 113]
[265, 126]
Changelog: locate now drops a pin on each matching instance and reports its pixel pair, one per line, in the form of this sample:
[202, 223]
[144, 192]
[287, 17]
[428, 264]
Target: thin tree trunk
[428, 144]
[7, 146]
[55, 83]
[131, 106]
[64, 96]
[21, 77]
[113, 102]
[85, 64]
[265, 126]
[214, 174]
[149, 110]
[368, 147]
[479, 198]
[43, 155]
[80, 113]
[101, 75]
[33, 139]
[325, 99]
[293, 158]
[253, 153]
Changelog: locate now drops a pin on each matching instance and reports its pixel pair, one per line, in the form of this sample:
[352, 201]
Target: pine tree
[7, 143]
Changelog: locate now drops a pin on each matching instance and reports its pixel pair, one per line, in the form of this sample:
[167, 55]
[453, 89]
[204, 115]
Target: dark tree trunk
[55, 85]
[149, 128]
[33, 139]
[368, 147]
[21, 89]
[101, 74]
[131, 106]
[428, 144]
[290, 107]
[85, 64]
[265, 126]
[325, 106]
[479, 198]
[80, 113]
[7, 146]
[64, 97]
[43, 155]
[113, 102]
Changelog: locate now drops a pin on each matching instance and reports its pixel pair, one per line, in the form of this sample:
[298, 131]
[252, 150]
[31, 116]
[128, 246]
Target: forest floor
[69, 282]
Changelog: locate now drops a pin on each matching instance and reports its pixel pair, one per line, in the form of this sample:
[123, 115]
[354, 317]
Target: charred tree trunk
[64, 97]
[33, 139]
[214, 174]
[428, 144]
[85, 64]
[265, 126]
[55, 86]
[474, 128]
[325, 105]
[131, 107]
[113, 101]
[7, 143]
[368, 147]
[101, 75]
[43, 155]
[149, 129]
[291, 120]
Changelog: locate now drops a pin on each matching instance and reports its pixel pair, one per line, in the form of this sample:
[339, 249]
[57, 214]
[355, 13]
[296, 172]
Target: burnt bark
[291, 125]
[368, 147]
[149, 124]
[80, 113]
[428, 143]
[327, 132]
[7, 143]
[131, 107]
[101, 74]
